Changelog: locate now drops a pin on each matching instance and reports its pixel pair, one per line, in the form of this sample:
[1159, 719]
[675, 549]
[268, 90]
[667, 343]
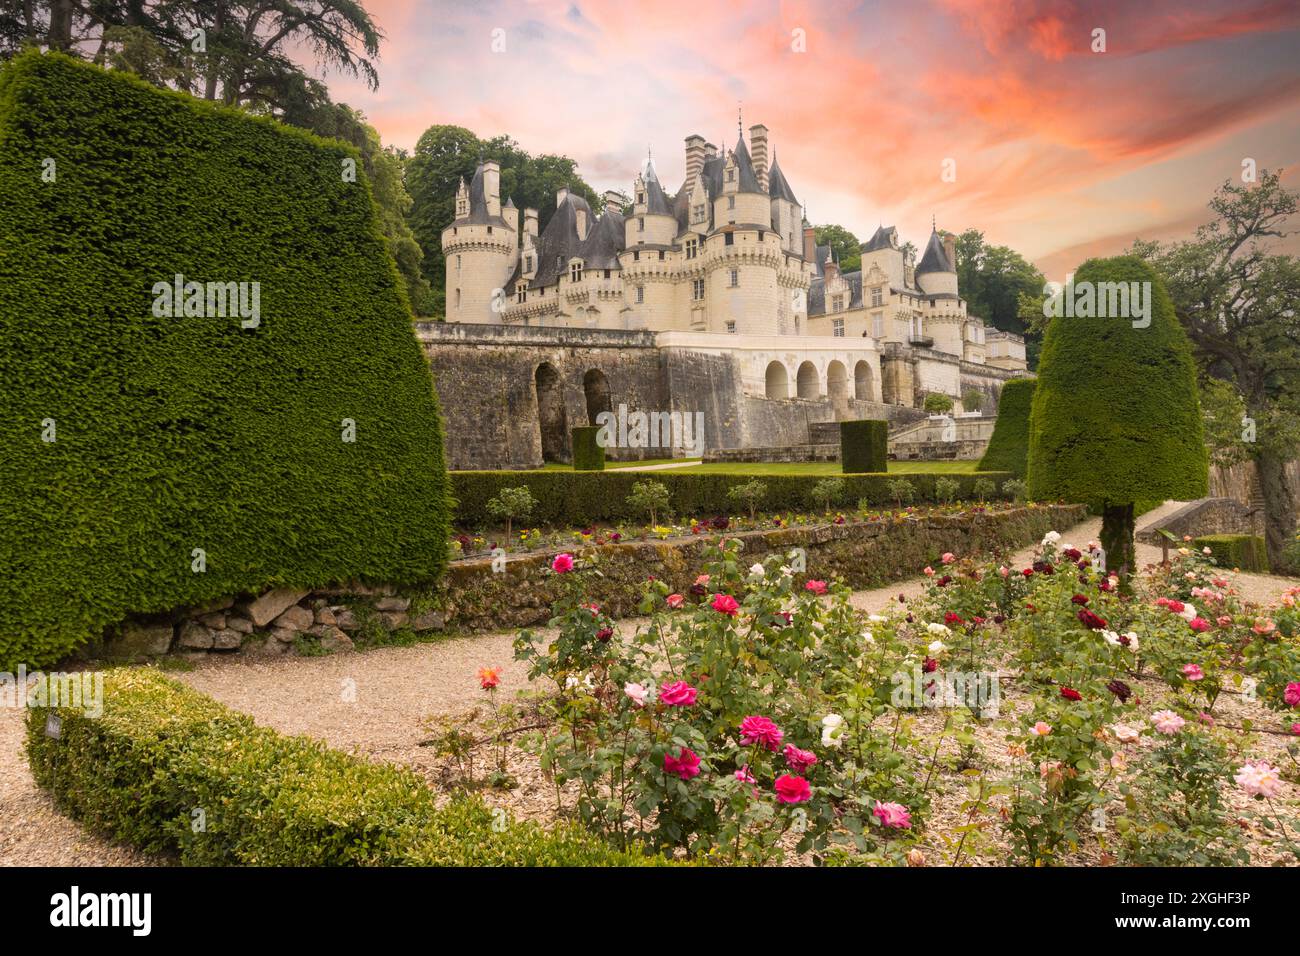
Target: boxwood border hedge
[162, 750]
[569, 498]
[173, 434]
[1244, 551]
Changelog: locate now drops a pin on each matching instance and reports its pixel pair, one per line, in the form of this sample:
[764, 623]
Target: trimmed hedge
[1244, 551]
[567, 498]
[162, 751]
[864, 446]
[588, 453]
[1009, 444]
[1116, 417]
[175, 434]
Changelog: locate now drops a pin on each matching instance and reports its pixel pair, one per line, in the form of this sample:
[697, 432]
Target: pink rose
[677, 694]
[948, 557]
[760, 730]
[792, 789]
[562, 564]
[1258, 779]
[702, 580]
[675, 601]
[1004, 570]
[799, 760]
[1041, 729]
[1292, 694]
[685, 765]
[893, 815]
[816, 587]
[744, 776]
[1193, 672]
[1225, 620]
[929, 571]
[1295, 729]
[726, 604]
[1167, 722]
[1199, 624]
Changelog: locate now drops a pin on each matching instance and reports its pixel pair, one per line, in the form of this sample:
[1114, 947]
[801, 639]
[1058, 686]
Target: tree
[1237, 303]
[237, 51]
[750, 494]
[650, 495]
[845, 246]
[972, 400]
[510, 504]
[993, 280]
[1115, 416]
[446, 154]
[937, 403]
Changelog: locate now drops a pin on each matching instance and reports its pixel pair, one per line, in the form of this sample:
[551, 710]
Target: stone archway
[777, 381]
[864, 382]
[807, 384]
[550, 413]
[595, 386]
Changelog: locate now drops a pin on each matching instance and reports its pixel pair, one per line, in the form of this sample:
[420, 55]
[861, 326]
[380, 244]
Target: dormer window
[640, 225]
[520, 292]
[731, 175]
[692, 248]
[640, 198]
[575, 271]
[559, 263]
[700, 212]
[877, 297]
[731, 202]
[462, 207]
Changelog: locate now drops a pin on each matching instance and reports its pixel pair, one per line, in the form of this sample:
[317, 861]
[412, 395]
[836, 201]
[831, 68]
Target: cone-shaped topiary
[1116, 418]
[272, 422]
[1009, 444]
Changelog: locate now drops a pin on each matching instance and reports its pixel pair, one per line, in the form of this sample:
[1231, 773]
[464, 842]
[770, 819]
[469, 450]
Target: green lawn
[784, 468]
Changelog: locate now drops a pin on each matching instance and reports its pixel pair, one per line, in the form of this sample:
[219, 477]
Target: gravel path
[373, 703]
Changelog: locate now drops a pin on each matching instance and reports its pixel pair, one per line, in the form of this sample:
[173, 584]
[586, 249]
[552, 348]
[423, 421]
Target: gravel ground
[377, 704]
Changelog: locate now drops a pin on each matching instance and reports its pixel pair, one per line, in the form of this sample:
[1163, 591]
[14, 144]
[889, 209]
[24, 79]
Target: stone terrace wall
[473, 598]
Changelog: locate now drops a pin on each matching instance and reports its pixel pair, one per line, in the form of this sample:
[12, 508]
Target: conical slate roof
[748, 182]
[777, 187]
[935, 258]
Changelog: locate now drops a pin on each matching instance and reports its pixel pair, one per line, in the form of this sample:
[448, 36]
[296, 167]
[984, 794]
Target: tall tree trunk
[60, 37]
[1279, 508]
[218, 24]
[1117, 525]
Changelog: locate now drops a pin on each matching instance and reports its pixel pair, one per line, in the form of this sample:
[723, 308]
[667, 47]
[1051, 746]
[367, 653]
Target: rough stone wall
[1206, 516]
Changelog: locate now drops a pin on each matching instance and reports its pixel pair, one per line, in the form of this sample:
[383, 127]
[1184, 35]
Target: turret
[935, 273]
[480, 248]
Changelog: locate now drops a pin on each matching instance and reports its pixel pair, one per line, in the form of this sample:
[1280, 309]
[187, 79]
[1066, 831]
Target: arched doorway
[595, 386]
[550, 413]
[863, 382]
[807, 383]
[778, 381]
[837, 383]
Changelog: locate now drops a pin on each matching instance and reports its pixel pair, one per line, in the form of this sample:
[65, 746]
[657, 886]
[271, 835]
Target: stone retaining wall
[472, 597]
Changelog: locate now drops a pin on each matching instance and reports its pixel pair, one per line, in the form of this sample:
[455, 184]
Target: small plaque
[53, 726]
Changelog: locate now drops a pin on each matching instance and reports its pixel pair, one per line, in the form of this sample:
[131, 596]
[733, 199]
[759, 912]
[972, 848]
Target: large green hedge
[864, 445]
[176, 434]
[588, 453]
[1009, 444]
[161, 751]
[1116, 416]
[569, 498]
[1245, 552]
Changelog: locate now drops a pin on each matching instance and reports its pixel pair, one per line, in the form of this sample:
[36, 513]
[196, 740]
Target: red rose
[1069, 693]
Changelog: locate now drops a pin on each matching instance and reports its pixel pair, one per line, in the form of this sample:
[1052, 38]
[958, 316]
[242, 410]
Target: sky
[1059, 151]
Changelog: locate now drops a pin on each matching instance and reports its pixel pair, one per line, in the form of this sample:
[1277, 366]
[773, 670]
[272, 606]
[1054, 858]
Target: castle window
[697, 289]
[458, 263]
[528, 264]
[837, 327]
[458, 298]
[636, 256]
[877, 297]
[640, 198]
[640, 225]
[731, 327]
[837, 303]
[731, 175]
[699, 213]
[559, 263]
[731, 202]
[661, 255]
[606, 273]
[640, 294]
[692, 248]
[575, 272]
[489, 230]
[520, 292]
[730, 239]
[735, 278]
[878, 324]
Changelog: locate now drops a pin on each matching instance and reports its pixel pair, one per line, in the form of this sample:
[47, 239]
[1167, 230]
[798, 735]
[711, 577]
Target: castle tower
[480, 248]
[935, 273]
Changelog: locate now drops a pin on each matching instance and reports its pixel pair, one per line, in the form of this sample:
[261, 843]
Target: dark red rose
[697, 590]
[1125, 640]
[1028, 572]
[930, 665]
[1120, 690]
[952, 617]
[1084, 563]
[604, 634]
[1091, 620]
[1069, 693]
[1074, 554]
[998, 618]
[1079, 599]
[909, 619]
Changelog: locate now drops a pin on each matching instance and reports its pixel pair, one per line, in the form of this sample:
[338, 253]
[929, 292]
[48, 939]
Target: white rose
[1051, 538]
[1132, 641]
[867, 638]
[938, 628]
[877, 618]
[1188, 612]
[1111, 638]
[832, 732]
[937, 647]
[756, 571]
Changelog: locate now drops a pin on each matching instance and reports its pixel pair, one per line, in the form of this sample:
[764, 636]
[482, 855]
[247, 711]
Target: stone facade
[472, 597]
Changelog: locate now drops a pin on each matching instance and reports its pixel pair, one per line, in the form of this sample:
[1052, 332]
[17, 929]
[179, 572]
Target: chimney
[909, 276]
[614, 201]
[758, 153]
[492, 187]
[530, 222]
[950, 249]
[830, 267]
[809, 245]
[695, 147]
[710, 152]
